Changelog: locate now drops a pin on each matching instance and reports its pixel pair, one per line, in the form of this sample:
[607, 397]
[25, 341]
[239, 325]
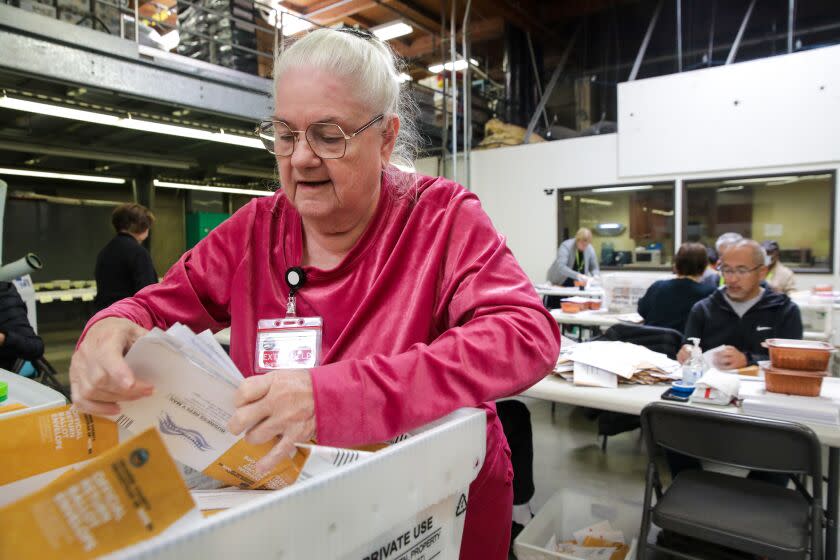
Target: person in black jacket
[667, 303]
[739, 316]
[17, 338]
[742, 314]
[124, 266]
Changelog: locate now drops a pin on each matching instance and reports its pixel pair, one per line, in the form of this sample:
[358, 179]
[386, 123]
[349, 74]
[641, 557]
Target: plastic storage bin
[807, 355]
[574, 304]
[570, 510]
[623, 290]
[29, 393]
[792, 382]
[406, 501]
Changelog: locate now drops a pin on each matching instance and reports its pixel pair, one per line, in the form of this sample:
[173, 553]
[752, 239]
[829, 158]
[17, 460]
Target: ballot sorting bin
[405, 502]
[29, 393]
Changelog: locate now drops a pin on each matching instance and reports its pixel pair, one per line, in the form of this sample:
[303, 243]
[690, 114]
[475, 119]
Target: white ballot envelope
[191, 407]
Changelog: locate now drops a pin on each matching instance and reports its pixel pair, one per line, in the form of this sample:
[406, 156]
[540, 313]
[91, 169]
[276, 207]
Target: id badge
[288, 343]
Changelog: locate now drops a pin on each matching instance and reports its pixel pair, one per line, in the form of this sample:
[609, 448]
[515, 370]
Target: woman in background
[576, 260]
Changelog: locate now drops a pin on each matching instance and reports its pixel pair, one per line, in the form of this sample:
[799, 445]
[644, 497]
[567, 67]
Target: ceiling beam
[331, 11]
[553, 11]
[413, 12]
[523, 14]
[482, 30]
[15, 145]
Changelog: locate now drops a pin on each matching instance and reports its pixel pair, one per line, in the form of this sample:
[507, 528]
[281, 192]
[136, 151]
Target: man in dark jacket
[124, 266]
[17, 338]
[742, 314]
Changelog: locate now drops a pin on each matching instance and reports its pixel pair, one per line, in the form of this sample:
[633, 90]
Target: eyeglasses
[740, 271]
[327, 140]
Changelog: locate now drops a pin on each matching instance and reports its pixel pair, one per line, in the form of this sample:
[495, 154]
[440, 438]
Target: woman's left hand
[277, 404]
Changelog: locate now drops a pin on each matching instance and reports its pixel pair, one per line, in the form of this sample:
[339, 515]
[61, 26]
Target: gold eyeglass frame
[273, 122]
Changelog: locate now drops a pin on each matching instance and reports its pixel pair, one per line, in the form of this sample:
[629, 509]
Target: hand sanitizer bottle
[693, 367]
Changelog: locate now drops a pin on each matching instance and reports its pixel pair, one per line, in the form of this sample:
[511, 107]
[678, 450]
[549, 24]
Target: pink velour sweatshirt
[427, 313]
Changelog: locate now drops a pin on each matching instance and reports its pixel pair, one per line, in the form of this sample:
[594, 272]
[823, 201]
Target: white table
[593, 318]
[562, 291]
[49, 296]
[631, 399]
[602, 318]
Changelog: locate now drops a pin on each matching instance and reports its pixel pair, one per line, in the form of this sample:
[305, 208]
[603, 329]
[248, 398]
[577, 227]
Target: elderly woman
[425, 309]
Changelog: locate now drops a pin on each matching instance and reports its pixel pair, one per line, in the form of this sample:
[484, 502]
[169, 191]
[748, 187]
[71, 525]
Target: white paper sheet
[590, 376]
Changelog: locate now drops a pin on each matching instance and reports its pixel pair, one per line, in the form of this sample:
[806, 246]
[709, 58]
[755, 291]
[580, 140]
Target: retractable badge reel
[289, 342]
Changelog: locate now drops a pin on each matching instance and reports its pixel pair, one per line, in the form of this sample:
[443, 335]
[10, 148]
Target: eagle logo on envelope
[168, 426]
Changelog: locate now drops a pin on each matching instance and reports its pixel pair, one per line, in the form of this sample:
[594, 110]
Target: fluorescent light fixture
[209, 188]
[659, 212]
[460, 64]
[65, 176]
[403, 77]
[392, 30]
[127, 122]
[621, 189]
[787, 178]
[610, 226]
[735, 188]
[596, 202]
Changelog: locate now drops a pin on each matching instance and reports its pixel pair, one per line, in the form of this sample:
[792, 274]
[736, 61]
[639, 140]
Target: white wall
[769, 112]
[510, 181]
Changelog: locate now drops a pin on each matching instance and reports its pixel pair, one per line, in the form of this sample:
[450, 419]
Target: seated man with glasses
[742, 314]
[739, 316]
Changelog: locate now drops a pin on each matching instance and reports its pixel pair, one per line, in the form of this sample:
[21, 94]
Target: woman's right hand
[99, 374]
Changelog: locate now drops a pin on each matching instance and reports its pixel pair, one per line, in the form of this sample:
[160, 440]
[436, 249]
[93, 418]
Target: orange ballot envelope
[35, 448]
[124, 495]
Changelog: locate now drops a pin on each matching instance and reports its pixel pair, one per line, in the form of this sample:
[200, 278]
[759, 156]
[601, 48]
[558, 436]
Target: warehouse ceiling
[508, 38]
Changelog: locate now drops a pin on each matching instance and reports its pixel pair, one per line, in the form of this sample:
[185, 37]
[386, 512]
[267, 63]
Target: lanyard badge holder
[290, 342]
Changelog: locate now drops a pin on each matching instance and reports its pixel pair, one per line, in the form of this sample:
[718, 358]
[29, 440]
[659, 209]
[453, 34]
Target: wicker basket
[793, 382]
[803, 355]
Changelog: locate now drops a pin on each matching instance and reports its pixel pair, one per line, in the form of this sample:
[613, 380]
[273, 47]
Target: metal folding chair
[752, 516]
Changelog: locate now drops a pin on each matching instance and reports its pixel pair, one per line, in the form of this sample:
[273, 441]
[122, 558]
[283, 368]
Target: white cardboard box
[407, 501]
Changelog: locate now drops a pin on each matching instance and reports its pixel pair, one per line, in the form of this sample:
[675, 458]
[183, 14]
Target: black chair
[657, 339]
[746, 515]
[45, 374]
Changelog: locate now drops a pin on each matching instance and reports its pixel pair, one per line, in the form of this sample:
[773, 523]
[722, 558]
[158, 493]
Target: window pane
[632, 226]
[793, 210]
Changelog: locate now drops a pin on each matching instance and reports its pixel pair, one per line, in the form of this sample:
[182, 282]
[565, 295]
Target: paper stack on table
[195, 383]
[824, 409]
[605, 363]
[564, 365]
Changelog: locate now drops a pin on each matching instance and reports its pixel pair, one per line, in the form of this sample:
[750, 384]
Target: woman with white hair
[424, 308]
